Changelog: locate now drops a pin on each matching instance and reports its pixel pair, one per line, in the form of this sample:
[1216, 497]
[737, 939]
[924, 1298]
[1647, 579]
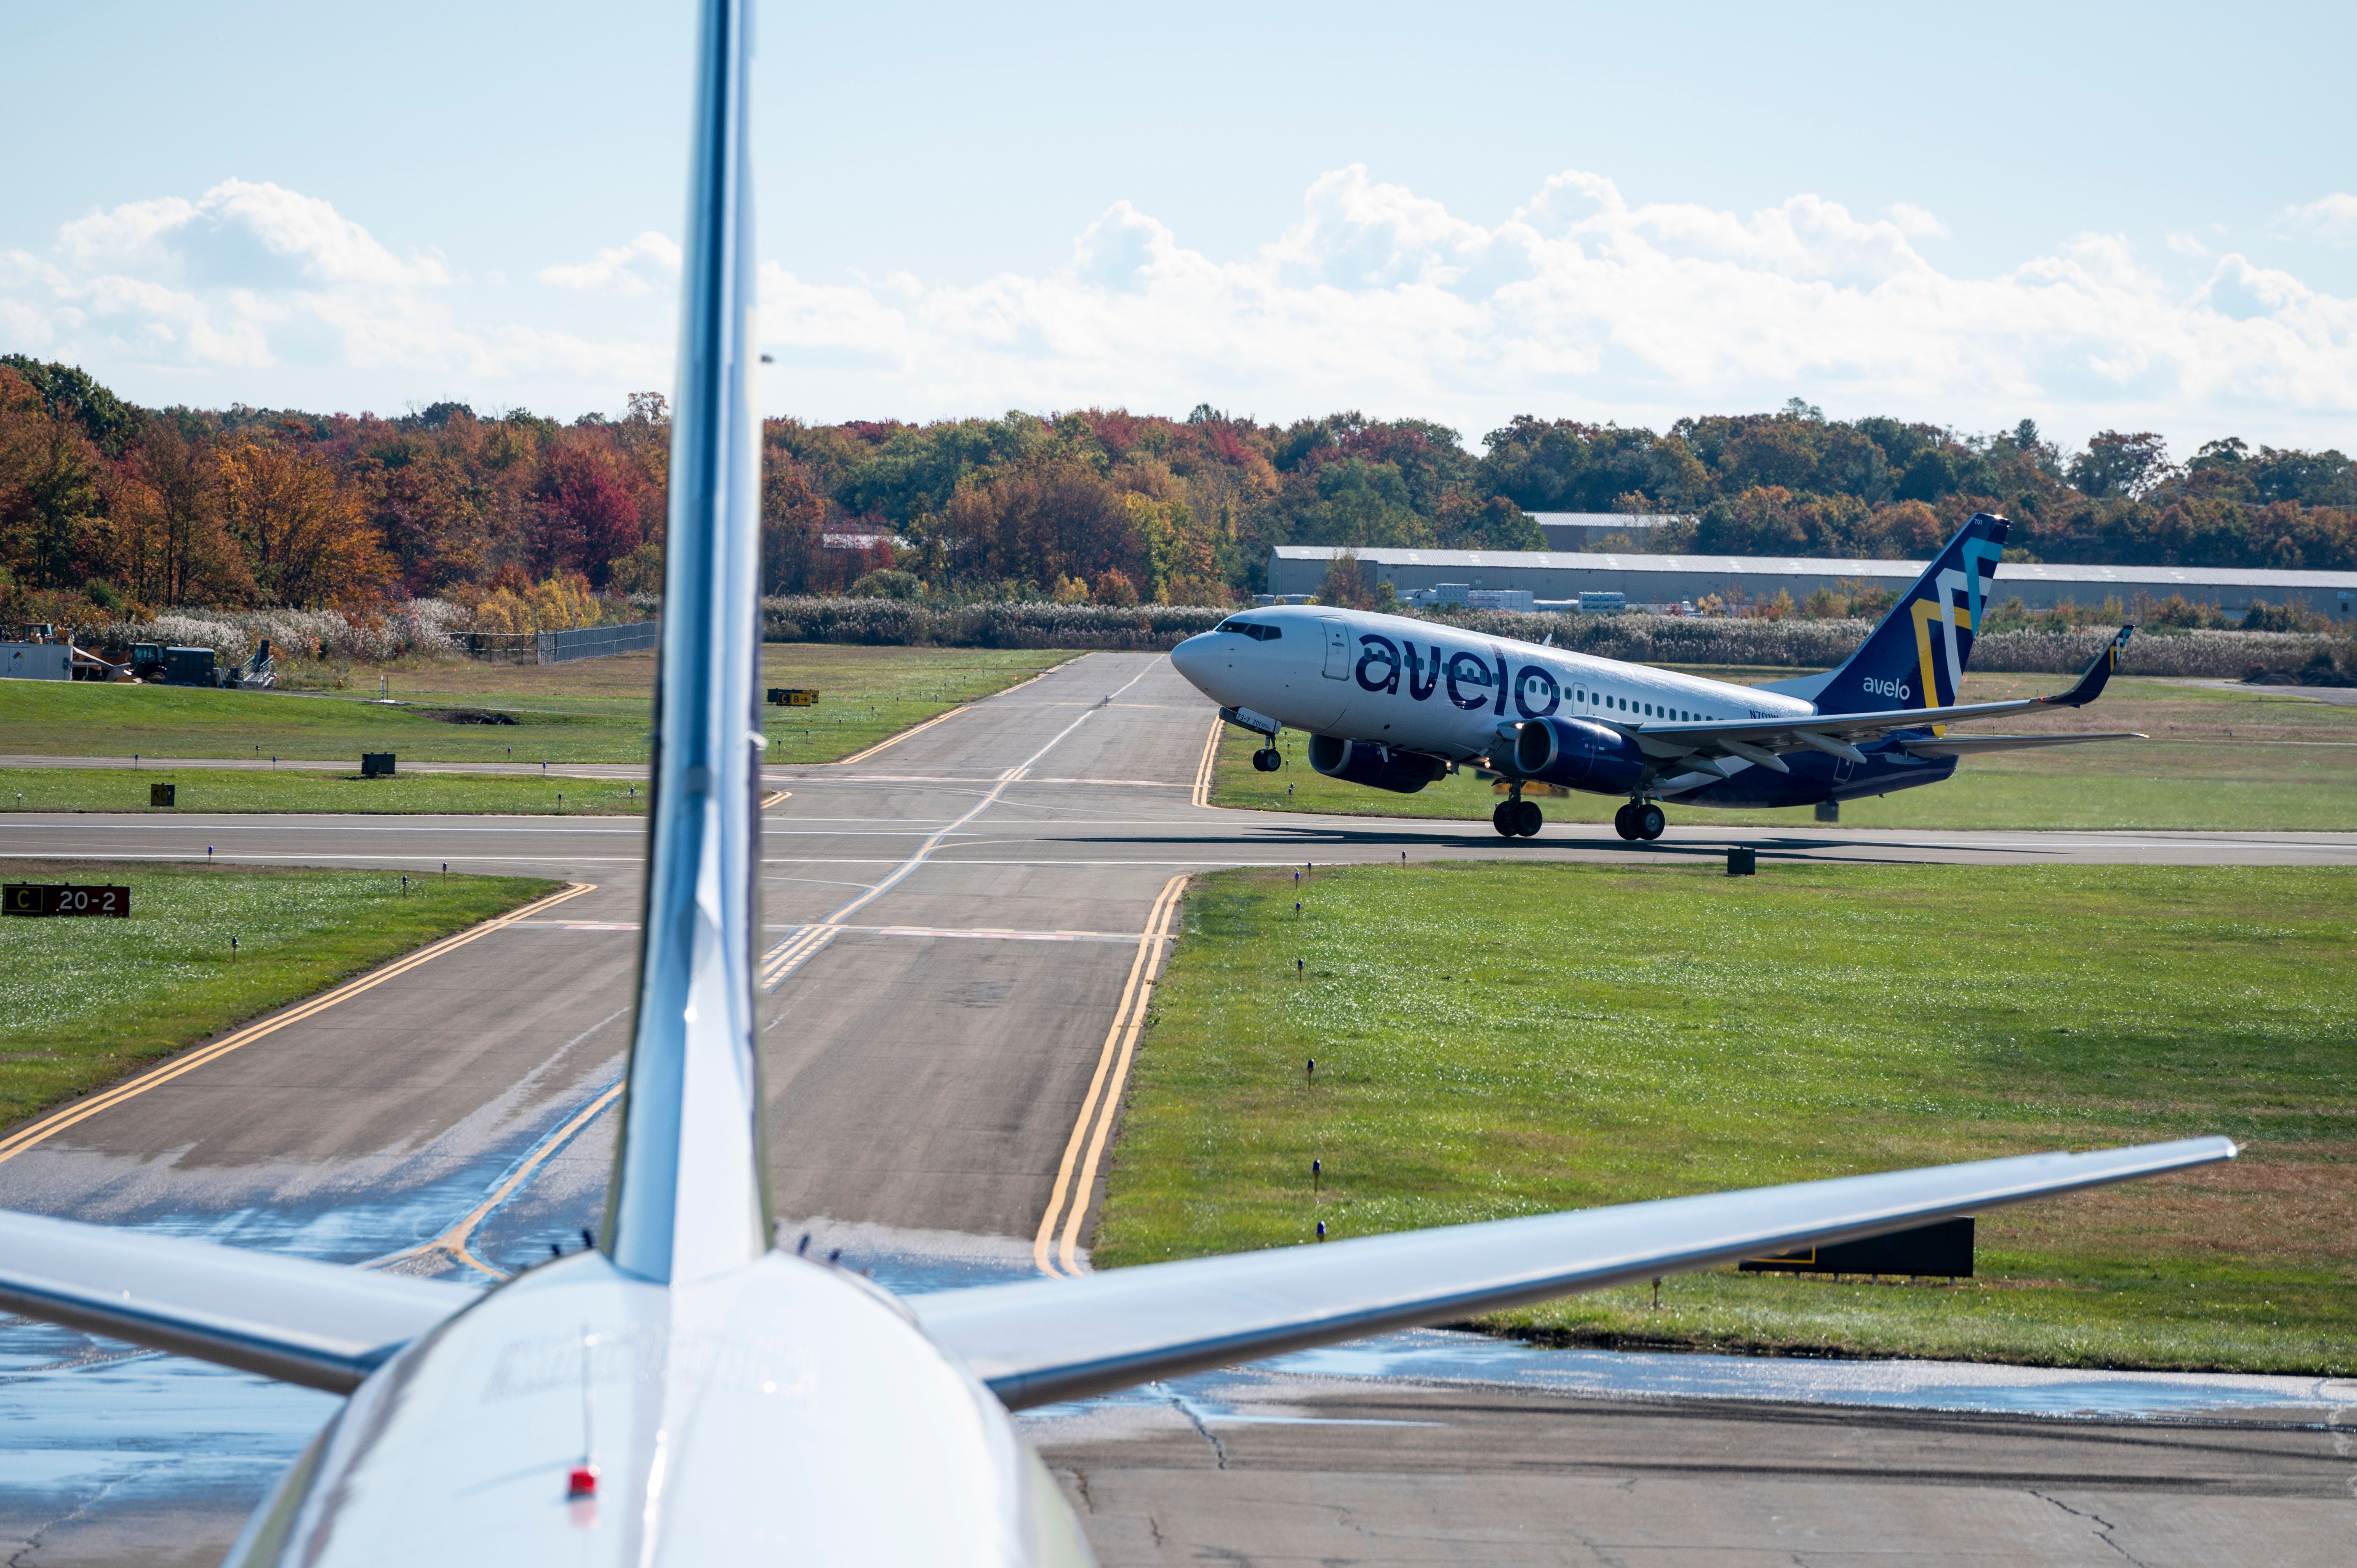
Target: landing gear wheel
[1528, 819]
[1503, 819]
[1648, 821]
[1267, 759]
[1621, 824]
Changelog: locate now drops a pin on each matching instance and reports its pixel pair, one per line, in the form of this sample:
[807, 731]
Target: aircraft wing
[1973, 745]
[1043, 1341]
[326, 1325]
[1757, 740]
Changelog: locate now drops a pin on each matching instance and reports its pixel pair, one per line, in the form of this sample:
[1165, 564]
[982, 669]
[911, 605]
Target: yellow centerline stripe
[24, 1138]
[453, 1240]
[1110, 1106]
[1203, 770]
[773, 796]
[1148, 941]
[894, 740]
[790, 955]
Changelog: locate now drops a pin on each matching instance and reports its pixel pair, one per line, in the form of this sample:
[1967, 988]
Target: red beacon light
[583, 1482]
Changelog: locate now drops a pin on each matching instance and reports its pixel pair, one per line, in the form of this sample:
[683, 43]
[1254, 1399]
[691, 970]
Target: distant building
[1581, 529]
[1300, 569]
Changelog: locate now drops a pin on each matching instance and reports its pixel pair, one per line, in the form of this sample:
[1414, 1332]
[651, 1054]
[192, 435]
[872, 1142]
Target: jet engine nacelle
[1578, 754]
[1360, 762]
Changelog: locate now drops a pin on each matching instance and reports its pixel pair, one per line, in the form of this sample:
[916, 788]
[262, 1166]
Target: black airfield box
[376, 765]
[42, 898]
[792, 697]
[163, 794]
[1945, 1248]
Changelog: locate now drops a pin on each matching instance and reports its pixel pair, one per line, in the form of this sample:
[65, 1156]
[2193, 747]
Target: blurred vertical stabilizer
[688, 1197]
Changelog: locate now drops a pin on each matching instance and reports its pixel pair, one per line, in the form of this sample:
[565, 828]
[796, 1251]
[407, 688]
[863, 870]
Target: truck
[158, 664]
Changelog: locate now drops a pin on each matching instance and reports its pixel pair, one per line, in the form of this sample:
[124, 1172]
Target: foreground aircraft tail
[687, 1198]
[1915, 659]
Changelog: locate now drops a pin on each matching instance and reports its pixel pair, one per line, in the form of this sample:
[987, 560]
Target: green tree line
[247, 506]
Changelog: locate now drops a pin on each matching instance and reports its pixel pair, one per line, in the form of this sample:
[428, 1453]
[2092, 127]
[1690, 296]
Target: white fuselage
[778, 1411]
[1351, 674]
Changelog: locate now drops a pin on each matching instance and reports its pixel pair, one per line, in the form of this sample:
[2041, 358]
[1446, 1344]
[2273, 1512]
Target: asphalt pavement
[959, 927]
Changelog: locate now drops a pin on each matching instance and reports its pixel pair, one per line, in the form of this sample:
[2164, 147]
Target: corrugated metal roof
[1816, 566]
[1608, 519]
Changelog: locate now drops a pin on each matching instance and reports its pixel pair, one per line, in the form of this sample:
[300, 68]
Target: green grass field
[2216, 760]
[1496, 1039]
[596, 710]
[214, 789]
[84, 1001]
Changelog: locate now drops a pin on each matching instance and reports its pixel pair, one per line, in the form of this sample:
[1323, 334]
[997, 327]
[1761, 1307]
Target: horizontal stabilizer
[2097, 674]
[1041, 1340]
[326, 1325]
[1747, 738]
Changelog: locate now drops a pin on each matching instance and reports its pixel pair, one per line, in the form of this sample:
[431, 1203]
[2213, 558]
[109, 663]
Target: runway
[956, 921]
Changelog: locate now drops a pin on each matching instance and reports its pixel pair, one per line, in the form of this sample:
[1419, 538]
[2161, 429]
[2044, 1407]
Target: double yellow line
[1202, 795]
[783, 960]
[23, 1138]
[1077, 1174]
[455, 1241]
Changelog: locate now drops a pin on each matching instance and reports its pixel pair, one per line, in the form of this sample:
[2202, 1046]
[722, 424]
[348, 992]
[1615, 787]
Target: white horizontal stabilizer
[1041, 1340]
[323, 1324]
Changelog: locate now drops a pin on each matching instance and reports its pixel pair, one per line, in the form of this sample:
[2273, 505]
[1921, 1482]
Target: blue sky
[2136, 217]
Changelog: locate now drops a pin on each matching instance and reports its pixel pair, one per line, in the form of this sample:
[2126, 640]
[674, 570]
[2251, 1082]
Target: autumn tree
[50, 505]
[171, 545]
[306, 538]
[2118, 465]
[586, 516]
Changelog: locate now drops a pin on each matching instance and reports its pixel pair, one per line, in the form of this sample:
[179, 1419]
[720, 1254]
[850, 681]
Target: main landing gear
[1639, 820]
[1267, 759]
[1517, 818]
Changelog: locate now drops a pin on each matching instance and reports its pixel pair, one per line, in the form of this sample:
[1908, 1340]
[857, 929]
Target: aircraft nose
[1192, 657]
[1198, 659]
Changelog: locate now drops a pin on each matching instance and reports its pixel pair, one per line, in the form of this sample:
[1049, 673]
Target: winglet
[688, 1200]
[2097, 675]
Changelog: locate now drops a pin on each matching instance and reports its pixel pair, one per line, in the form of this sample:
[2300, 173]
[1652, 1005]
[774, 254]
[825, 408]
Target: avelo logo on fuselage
[1470, 679]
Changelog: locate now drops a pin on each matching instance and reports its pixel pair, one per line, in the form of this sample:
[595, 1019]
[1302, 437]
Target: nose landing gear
[1267, 759]
[1639, 820]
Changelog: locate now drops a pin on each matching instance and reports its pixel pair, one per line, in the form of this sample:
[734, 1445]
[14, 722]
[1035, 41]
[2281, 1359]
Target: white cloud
[1576, 304]
[1579, 304]
[229, 296]
[1916, 223]
[648, 265]
[2331, 219]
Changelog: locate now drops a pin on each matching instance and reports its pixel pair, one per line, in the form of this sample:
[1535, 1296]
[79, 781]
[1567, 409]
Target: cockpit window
[1255, 629]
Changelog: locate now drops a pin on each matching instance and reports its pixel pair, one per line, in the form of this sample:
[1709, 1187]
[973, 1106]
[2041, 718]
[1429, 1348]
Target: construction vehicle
[158, 664]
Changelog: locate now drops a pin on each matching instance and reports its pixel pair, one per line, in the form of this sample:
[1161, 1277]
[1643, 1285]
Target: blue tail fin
[1915, 659]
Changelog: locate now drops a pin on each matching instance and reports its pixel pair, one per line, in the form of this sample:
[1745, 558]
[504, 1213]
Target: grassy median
[2216, 759]
[595, 710]
[1496, 1039]
[202, 791]
[86, 1000]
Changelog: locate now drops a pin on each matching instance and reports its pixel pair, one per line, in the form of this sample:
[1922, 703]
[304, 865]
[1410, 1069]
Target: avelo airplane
[1394, 703]
[684, 1394]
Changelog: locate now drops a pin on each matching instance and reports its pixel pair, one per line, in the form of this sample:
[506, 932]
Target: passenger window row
[1646, 710]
